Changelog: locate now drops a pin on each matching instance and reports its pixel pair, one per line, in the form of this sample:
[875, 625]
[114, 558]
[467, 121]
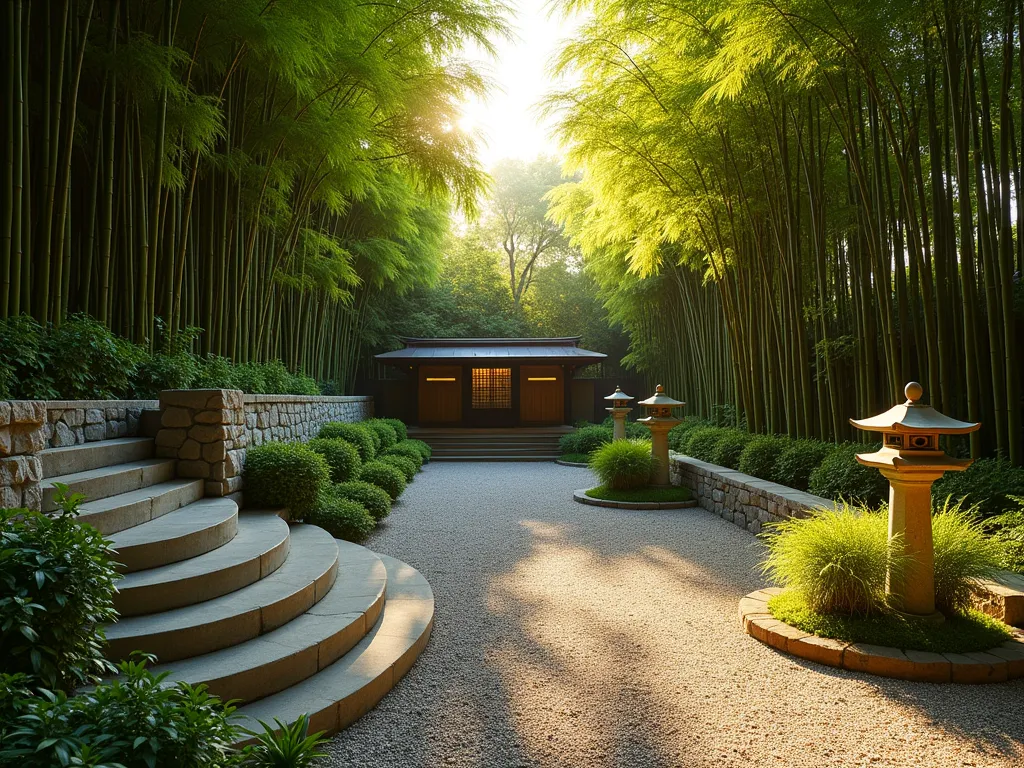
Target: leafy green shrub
[301, 384]
[249, 378]
[58, 581]
[341, 517]
[424, 449]
[964, 556]
[987, 484]
[374, 499]
[386, 434]
[730, 445]
[160, 371]
[678, 434]
[623, 464]
[287, 746]
[585, 439]
[136, 721]
[841, 476]
[406, 465]
[356, 434]
[289, 475]
[399, 426]
[87, 361]
[276, 377]
[700, 443]
[342, 457]
[797, 461]
[24, 350]
[837, 560]
[759, 455]
[384, 476]
[214, 372]
[1008, 530]
[410, 452]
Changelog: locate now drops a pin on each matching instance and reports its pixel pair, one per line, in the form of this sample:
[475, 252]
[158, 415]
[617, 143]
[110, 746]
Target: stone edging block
[581, 497]
[993, 666]
[572, 463]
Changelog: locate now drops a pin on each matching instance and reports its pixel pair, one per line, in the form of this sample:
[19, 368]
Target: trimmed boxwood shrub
[342, 517]
[404, 463]
[374, 499]
[357, 434]
[623, 464]
[386, 434]
[585, 439]
[841, 476]
[730, 445]
[385, 476]
[678, 434]
[399, 426]
[759, 455]
[796, 463]
[410, 452]
[342, 457]
[988, 484]
[424, 449]
[289, 475]
[701, 442]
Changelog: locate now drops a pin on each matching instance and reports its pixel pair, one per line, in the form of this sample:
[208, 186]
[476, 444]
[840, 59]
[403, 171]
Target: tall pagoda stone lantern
[620, 408]
[660, 420]
[911, 460]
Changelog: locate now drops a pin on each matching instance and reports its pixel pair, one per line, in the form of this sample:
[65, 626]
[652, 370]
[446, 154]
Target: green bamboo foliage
[261, 170]
[797, 206]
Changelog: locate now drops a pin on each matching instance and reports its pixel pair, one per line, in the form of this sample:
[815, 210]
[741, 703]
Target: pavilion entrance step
[510, 444]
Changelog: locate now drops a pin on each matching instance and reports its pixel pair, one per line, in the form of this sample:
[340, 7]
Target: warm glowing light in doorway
[440, 378]
[542, 378]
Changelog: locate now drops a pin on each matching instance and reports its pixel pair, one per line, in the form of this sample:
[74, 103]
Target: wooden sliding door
[440, 394]
[541, 394]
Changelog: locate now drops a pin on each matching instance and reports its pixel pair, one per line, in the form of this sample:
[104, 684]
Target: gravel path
[569, 635]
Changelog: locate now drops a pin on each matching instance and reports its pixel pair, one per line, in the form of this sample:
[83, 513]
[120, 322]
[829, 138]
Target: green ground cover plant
[289, 475]
[342, 517]
[676, 493]
[384, 476]
[404, 464]
[375, 500]
[342, 457]
[623, 464]
[357, 434]
[576, 458]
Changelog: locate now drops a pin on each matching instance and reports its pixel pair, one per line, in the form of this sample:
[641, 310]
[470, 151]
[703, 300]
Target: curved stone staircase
[281, 616]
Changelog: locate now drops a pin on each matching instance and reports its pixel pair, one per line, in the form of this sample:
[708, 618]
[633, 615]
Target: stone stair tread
[308, 643]
[185, 533]
[125, 510]
[339, 694]
[257, 550]
[86, 456]
[192, 630]
[103, 482]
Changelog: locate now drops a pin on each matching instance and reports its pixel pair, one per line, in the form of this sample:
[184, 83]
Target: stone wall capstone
[73, 422]
[743, 500]
[22, 436]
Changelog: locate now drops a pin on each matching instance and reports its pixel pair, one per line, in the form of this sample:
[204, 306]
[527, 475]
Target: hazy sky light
[508, 119]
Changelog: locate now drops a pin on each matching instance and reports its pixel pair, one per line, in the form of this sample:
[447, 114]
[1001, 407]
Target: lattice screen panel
[492, 388]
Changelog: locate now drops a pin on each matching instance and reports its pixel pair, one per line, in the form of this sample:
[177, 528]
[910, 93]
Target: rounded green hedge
[700, 443]
[386, 434]
[408, 467]
[399, 426]
[342, 518]
[289, 475]
[385, 476]
[730, 445]
[585, 439]
[342, 457]
[841, 476]
[759, 455]
[410, 452]
[424, 449]
[362, 438]
[374, 499]
[623, 464]
[990, 484]
[797, 461]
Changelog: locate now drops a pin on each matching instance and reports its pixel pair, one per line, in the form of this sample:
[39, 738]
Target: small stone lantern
[660, 420]
[911, 460]
[620, 407]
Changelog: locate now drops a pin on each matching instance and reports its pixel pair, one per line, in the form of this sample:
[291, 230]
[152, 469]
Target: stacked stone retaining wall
[299, 417]
[22, 435]
[746, 501]
[73, 422]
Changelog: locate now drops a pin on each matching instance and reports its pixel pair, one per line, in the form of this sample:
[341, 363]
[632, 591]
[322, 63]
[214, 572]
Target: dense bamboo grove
[260, 169]
[798, 205]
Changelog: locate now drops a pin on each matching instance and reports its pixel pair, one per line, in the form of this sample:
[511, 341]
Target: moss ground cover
[640, 494]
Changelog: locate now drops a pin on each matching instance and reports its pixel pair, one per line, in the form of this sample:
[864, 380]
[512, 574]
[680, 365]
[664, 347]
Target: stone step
[1003, 598]
[340, 694]
[503, 450]
[302, 581]
[184, 533]
[104, 482]
[510, 457]
[126, 510]
[258, 549]
[299, 649]
[105, 453]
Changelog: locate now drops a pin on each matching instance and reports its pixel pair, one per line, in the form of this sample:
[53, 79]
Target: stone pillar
[659, 450]
[910, 517]
[204, 429]
[618, 422]
[22, 436]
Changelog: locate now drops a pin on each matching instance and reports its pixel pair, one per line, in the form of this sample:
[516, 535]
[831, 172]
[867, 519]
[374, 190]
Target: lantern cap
[913, 416]
[660, 398]
[618, 394]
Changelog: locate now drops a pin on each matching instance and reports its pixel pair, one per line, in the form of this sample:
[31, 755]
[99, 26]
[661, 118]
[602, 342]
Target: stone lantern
[911, 460]
[620, 407]
[660, 420]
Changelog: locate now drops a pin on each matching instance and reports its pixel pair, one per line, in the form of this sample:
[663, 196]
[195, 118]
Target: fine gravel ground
[571, 635]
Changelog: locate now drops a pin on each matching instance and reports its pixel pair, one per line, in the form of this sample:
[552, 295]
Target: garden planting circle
[571, 463]
[996, 665]
[581, 497]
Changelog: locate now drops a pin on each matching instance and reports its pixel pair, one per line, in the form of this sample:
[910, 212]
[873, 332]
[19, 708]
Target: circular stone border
[572, 463]
[993, 666]
[581, 496]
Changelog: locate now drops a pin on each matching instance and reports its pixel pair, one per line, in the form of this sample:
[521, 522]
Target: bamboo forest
[785, 209]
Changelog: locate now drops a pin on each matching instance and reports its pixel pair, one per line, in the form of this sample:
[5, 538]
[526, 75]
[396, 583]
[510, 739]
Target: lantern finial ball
[659, 389]
[913, 391]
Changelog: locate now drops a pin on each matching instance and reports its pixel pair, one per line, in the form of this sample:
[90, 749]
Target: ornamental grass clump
[965, 556]
[384, 476]
[623, 464]
[362, 438]
[289, 475]
[342, 457]
[835, 560]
